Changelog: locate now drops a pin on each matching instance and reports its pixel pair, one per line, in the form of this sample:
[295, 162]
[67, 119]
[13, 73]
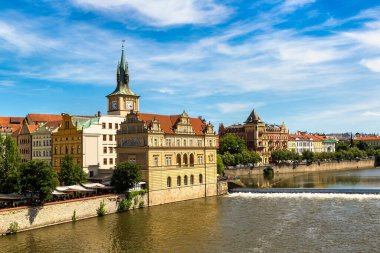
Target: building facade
[372, 141]
[259, 136]
[42, 143]
[176, 153]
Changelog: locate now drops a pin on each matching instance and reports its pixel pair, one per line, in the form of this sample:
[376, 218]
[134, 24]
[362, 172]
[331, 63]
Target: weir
[304, 190]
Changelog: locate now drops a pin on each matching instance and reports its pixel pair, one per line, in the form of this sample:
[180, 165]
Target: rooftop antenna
[122, 44]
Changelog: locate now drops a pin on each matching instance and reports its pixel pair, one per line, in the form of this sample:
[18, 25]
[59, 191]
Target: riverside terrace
[59, 194]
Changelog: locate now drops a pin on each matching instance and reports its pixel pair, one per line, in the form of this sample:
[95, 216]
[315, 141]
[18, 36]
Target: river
[238, 222]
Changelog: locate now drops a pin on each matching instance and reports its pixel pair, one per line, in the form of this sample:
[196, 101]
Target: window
[185, 180]
[168, 160]
[185, 159]
[78, 150]
[67, 124]
[132, 158]
[178, 160]
[179, 181]
[110, 137]
[109, 125]
[168, 142]
[178, 143]
[184, 143]
[78, 161]
[105, 161]
[210, 143]
[111, 160]
[199, 143]
[200, 159]
[72, 149]
[110, 150]
[103, 125]
[191, 160]
[155, 142]
[191, 143]
[200, 178]
[192, 179]
[169, 182]
[116, 126]
[104, 137]
[104, 150]
[155, 161]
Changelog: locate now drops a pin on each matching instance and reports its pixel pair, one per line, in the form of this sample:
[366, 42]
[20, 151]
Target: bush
[124, 205]
[268, 170]
[13, 228]
[141, 204]
[101, 211]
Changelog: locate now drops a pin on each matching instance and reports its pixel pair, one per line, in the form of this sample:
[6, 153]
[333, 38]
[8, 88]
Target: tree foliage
[37, 177]
[71, 173]
[10, 161]
[232, 144]
[219, 164]
[125, 176]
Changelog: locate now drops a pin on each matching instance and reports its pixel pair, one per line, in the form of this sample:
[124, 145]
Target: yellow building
[177, 154]
[372, 141]
[68, 140]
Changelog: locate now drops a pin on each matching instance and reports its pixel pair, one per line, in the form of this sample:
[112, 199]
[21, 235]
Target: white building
[41, 141]
[99, 143]
[300, 143]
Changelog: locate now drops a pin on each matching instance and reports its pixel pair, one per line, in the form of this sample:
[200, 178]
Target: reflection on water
[353, 179]
[235, 223]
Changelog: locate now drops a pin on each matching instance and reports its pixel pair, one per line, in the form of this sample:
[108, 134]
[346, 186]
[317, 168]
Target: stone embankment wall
[222, 188]
[315, 167]
[61, 212]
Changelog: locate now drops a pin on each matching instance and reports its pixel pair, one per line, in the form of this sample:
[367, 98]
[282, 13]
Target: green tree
[282, 155]
[125, 176]
[71, 173]
[228, 159]
[37, 177]
[10, 161]
[362, 145]
[232, 144]
[308, 156]
[219, 164]
[342, 145]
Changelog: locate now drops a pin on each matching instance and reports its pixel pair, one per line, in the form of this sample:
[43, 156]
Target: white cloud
[371, 114]
[16, 37]
[292, 5]
[163, 12]
[236, 107]
[371, 64]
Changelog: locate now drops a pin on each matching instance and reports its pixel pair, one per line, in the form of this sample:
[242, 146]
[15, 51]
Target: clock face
[129, 105]
[114, 105]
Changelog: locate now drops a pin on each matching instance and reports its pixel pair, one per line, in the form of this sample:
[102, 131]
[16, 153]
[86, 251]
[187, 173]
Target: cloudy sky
[314, 64]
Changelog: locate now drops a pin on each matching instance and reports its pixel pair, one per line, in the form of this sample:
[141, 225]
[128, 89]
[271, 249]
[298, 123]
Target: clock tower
[122, 100]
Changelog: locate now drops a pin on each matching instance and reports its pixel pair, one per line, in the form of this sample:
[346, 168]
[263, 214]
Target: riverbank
[315, 167]
[54, 213]
[59, 212]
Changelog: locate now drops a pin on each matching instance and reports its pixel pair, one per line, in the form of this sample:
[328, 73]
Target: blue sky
[314, 64]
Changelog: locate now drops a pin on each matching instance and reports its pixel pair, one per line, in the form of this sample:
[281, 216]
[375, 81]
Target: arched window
[185, 159]
[178, 160]
[169, 182]
[200, 179]
[191, 160]
[72, 150]
[78, 150]
[192, 179]
[66, 149]
[179, 181]
[185, 180]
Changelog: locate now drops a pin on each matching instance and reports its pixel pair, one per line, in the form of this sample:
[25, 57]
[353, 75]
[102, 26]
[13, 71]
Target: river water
[239, 222]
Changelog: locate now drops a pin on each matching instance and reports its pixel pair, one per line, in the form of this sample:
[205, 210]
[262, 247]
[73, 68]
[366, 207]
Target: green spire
[122, 77]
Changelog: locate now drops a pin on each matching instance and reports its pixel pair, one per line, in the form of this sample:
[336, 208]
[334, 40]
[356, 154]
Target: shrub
[101, 211]
[13, 228]
[268, 170]
[124, 205]
[141, 204]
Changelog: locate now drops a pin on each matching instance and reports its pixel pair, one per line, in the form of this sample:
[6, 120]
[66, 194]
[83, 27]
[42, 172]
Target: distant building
[259, 136]
[9, 125]
[302, 141]
[372, 141]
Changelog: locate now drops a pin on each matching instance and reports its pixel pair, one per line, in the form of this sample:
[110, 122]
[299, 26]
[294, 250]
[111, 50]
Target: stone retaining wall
[315, 167]
[60, 212]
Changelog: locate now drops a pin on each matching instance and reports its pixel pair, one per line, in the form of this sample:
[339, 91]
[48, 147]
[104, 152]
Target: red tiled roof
[42, 117]
[367, 138]
[10, 123]
[168, 122]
